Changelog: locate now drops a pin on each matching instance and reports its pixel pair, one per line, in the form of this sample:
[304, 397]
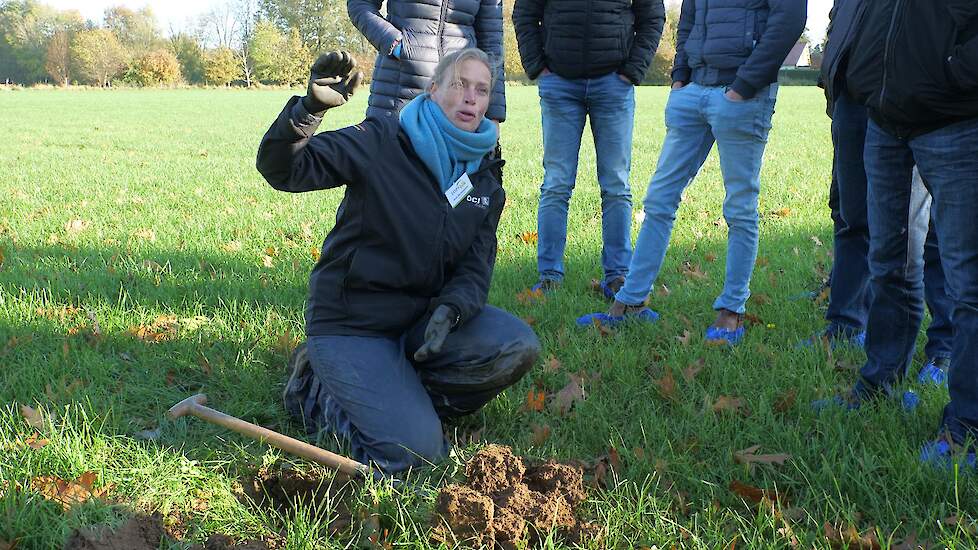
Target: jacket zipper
[441, 29]
[587, 47]
[886, 51]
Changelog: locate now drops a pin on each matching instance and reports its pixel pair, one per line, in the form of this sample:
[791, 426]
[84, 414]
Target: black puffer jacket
[427, 31]
[588, 38]
[914, 63]
[398, 249]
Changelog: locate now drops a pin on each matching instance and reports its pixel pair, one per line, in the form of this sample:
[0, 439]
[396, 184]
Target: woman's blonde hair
[449, 65]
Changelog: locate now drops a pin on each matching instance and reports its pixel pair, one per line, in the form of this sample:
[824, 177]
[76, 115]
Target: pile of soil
[146, 533]
[505, 502]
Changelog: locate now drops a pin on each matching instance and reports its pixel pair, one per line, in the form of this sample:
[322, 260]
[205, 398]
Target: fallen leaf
[1, 257]
[601, 472]
[35, 441]
[145, 234]
[692, 272]
[710, 257]
[563, 401]
[602, 329]
[267, 261]
[148, 435]
[528, 237]
[529, 297]
[233, 246]
[153, 266]
[760, 299]
[540, 434]
[75, 226]
[5, 545]
[161, 329]
[663, 291]
[314, 252]
[754, 494]
[69, 493]
[753, 319]
[535, 401]
[666, 385]
[684, 339]
[639, 453]
[785, 401]
[782, 212]
[850, 538]
[691, 370]
[726, 403]
[762, 261]
[530, 320]
[32, 417]
[749, 456]
[614, 459]
[553, 364]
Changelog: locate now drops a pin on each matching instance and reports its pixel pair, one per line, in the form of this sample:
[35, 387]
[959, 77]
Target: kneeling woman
[399, 333]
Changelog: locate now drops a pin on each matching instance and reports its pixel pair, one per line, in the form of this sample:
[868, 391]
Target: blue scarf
[448, 151]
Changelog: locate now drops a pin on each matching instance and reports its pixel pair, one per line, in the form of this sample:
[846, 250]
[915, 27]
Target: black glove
[439, 325]
[331, 82]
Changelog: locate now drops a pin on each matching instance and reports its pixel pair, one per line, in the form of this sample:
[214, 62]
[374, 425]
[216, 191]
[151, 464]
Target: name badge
[457, 192]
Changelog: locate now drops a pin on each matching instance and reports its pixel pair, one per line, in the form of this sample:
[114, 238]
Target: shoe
[546, 286]
[941, 454]
[836, 338]
[611, 287]
[644, 315]
[720, 335]
[934, 372]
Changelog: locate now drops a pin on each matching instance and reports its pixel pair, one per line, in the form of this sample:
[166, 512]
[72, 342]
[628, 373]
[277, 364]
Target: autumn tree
[190, 55]
[99, 56]
[156, 68]
[58, 59]
[221, 66]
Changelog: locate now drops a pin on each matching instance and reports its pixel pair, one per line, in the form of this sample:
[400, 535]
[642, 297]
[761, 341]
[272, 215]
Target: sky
[176, 14]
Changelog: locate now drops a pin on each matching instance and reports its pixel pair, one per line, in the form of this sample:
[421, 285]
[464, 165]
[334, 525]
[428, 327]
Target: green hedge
[798, 77]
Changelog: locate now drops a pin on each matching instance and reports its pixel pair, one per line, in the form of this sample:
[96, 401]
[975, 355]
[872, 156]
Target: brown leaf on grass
[666, 385]
[762, 261]
[850, 538]
[528, 237]
[595, 286]
[785, 401]
[751, 493]
[754, 320]
[782, 212]
[760, 299]
[563, 401]
[69, 493]
[727, 403]
[32, 417]
[601, 472]
[750, 456]
[710, 257]
[314, 252]
[540, 434]
[530, 320]
[910, 543]
[76, 226]
[684, 338]
[823, 296]
[691, 370]
[692, 271]
[267, 261]
[530, 297]
[232, 246]
[1, 257]
[535, 400]
[162, 328]
[602, 329]
[614, 459]
[663, 291]
[685, 321]
[35, 441]
[639, 453]
[552, 365]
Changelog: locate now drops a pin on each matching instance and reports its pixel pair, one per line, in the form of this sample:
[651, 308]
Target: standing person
[915, 65]
[587, 58]
[849, 295]
[399, 335]
[413, 37]
[724, 90]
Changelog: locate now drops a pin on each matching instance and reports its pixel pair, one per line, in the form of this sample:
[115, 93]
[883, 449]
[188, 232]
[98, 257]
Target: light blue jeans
[696, 116]
[565, 104]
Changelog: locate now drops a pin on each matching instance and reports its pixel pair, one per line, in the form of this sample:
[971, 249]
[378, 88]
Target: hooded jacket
[398, 248]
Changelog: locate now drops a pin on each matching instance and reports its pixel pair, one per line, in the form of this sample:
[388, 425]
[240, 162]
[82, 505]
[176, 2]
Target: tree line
[240, 42]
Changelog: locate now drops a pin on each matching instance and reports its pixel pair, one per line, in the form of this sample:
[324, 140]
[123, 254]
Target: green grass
[175, 221]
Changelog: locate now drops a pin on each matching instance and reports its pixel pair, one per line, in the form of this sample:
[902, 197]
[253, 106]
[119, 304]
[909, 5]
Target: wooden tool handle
[284, 442]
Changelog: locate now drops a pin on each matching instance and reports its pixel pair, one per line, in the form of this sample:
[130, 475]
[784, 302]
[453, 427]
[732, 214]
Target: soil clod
[138, 533]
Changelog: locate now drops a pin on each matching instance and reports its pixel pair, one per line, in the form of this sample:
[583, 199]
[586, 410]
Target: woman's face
[464, 97]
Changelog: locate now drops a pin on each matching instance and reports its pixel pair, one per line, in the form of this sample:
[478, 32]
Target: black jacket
[588, 38]
[844, 22]
[914, 63]
[737, 42]
[398, 249]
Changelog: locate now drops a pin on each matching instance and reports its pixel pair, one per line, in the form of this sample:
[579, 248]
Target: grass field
[143, 259]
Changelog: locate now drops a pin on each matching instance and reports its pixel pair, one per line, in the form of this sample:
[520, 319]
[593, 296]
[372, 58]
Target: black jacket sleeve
[528, 22]
[962, 64]
[467, 288]
[785, 23]
[489, 38]
[366, 17]
[680, 66]
[650, 17]
[291, 159]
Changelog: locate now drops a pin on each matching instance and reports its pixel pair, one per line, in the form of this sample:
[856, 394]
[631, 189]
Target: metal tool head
[184, 407]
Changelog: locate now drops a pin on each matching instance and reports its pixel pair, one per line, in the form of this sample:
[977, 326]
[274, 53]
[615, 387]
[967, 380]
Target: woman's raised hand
[332, 81]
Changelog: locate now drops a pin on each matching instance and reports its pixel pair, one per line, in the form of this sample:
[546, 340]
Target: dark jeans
[371, 391]
[849, 293]
[948, 163]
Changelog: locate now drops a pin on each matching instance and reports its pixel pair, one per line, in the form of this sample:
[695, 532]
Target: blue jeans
[696, 116]
[371, 391]
[849, 294]
[948, 163]
[565, 104]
